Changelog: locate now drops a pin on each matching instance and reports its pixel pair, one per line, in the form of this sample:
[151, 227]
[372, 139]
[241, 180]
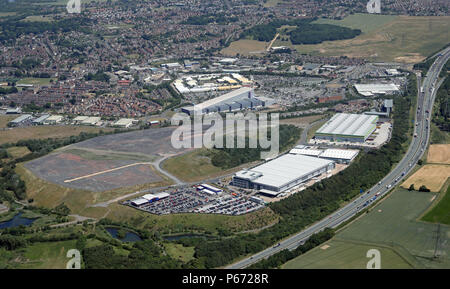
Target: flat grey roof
[284, 169]
[349, 124]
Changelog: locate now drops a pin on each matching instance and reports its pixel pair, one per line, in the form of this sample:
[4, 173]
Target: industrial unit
[348, 127]
[376, 88]
[282, 173]
[337, 155]
[20, 120]
[242, 98]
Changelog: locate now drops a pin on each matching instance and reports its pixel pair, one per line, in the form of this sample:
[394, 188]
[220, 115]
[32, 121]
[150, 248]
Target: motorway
[415, 152]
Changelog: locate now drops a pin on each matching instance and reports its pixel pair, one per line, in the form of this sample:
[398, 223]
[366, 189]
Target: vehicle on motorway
[277, 245]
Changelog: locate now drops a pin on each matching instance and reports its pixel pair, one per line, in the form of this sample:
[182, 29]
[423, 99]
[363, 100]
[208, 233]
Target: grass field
[178, 251]
[18, 152]
[386, 38]
[245, 47]
[192, 166]
[346, 255]
[441, 212]
[4, 119]
[432, 176]
[35, 81]
[438, 136]
[195, 166]
[439, 153]
[365, 22]
[301, 121]
[40, 132]
[48, 255]
[392, 225]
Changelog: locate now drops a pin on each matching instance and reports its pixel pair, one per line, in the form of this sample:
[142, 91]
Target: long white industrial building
[283, 173]
[348, 127]
[239, 99]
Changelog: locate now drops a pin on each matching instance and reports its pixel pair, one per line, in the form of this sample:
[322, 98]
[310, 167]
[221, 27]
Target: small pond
[17, 221]
[129, 237]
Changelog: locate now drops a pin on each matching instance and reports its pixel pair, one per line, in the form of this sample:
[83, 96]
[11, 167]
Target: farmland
[431, 176]
[393, 228]
[439, 153]
[346, 255]
[441, 212]
[386, 38]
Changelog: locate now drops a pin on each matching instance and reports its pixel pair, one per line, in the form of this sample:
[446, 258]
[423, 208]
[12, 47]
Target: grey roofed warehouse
[282, 173]
[348, 127]
[242, 98]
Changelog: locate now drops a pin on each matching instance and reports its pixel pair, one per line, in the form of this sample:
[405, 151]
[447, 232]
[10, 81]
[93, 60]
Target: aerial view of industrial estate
[231, 134]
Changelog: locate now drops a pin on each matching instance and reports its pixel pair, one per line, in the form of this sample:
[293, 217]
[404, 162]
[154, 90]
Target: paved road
[415, 151]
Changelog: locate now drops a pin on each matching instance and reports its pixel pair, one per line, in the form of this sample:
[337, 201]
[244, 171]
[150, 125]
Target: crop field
[432, 176]
[39, 132]
[391, 225]
[439, 153]
[386, 38]
[441, 212]
[346, 255]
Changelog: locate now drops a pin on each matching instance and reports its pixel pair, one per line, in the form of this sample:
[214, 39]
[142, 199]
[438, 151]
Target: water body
[129, 237]
[17, 221]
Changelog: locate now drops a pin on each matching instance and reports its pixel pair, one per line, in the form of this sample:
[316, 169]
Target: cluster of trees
[305, 33]
[13, 27]
[99, 76]
[144, 254]
[317, 33]
[7, 90]
[321, 199]
[232, 157]
[441, 115]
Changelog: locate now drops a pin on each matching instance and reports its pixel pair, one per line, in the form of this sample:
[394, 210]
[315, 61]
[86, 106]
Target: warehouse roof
[21, 118]
[306, 152]
[379, 88]
[339, 154]
[285, 169]
[349, 124]
[41, 118]
[224, 97]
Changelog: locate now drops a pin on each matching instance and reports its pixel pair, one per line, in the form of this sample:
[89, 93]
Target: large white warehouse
[348, 127]
[282, 173]
[239, 99]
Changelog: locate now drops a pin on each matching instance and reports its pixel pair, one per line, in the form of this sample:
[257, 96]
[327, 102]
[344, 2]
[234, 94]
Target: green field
[346, 255]
[178, 251]
[35, 81]
[18, 152]
[391, 225]
[193, 166]
[438, 136]
[386, 38]
[48, 255]
[441, 212]
[365, 22]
